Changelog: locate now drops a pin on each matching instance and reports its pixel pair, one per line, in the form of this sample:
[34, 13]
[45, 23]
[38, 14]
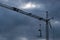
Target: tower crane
[31, 15]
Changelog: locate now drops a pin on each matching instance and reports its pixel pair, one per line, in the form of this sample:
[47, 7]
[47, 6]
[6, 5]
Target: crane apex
[46, 11]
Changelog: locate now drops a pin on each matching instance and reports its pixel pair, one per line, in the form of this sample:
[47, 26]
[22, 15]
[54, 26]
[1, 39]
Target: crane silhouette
[47, 20]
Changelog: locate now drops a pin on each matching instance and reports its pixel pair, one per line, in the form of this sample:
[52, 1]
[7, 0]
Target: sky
[16, 26]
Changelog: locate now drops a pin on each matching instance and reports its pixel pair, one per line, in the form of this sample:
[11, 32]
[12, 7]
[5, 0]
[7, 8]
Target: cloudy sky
[16, 26]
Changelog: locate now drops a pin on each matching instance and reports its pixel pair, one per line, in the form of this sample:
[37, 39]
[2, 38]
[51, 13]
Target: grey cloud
[13, 24]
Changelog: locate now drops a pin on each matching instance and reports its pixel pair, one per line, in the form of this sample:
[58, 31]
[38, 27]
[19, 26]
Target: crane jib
[21, 11]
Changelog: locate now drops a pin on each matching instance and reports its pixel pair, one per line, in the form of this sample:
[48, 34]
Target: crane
[31, 15]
